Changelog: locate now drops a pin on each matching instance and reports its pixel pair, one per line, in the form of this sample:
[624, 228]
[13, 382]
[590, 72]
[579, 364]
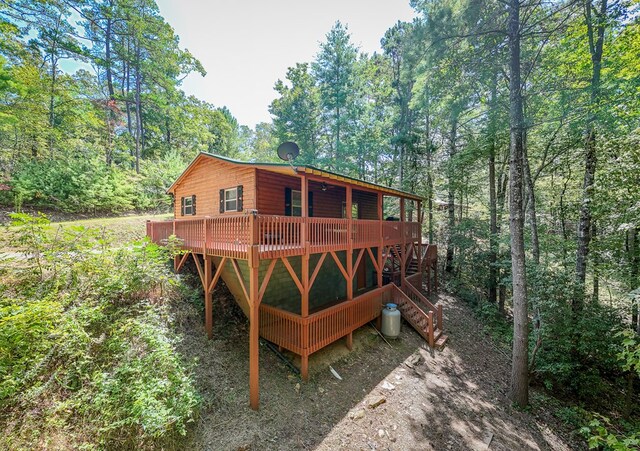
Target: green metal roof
[308, 168]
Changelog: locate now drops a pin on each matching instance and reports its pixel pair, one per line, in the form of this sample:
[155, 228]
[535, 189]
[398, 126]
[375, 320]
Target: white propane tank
[391, 321]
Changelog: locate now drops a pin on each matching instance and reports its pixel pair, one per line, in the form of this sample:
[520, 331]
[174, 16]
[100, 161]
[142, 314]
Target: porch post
[176, 258]
[304, 241]
[208, 296]
[404, 241]
[254, 328]
[304, 203]
[420, 243]
[349, 243]
[304, 194]
[381, 237]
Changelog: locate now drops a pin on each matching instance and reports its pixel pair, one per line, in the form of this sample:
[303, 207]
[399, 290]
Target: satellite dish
[288, 151]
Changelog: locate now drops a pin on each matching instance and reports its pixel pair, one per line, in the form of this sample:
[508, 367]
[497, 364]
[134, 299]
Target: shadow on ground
[454, 399]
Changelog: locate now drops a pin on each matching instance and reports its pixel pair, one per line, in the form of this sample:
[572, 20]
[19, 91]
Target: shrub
[86, 343]
[576, 351]
[80, 184]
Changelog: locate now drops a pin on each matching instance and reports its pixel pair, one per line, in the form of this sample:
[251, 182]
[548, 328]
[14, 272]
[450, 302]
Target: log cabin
[309, 255]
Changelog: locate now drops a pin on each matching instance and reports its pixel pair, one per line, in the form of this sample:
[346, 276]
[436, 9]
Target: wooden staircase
[421, 314]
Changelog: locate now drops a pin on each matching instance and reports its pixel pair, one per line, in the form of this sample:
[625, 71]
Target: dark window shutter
[221, 201]
[239, 198]
[182, 206]
[311, 204]
[193, 204]
[287, 201]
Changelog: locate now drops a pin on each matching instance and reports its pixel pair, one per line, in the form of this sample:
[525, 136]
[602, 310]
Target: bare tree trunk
[451, 191]
[493, 228]
[596, 43]
[338, 155]
[54, 79]
[633, 257]
[493, 210]
[531, 209]
[502, 273]
[126, 88]
[138, 108]
[628, 395]
[52, 115]
[519, 390]
[596, 265]
[107, 53]
[430, 193]
[110, 116]
[429, 149]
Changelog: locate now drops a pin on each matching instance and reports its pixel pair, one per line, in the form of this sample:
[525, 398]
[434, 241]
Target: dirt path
[452, 400]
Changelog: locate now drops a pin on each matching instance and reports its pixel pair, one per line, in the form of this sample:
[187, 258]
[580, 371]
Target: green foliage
[599, 429]
[25, 329]
[334, 71]
[575, 354]
[575, 417]
[129, 395]
[494, 324]
[82, 141]
[87, 185]
[599, 436]
[87, 344]
[630, 353]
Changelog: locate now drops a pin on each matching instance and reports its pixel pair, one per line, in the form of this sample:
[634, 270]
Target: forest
[517, 121]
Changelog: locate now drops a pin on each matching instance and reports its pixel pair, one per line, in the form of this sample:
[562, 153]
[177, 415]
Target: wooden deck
[280, 236]
[254, 237]
[306, 335]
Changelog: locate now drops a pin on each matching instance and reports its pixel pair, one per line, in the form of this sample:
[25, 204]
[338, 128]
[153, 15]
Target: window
[231, 199]
[296, 203]
[188, 205]
[293, 202]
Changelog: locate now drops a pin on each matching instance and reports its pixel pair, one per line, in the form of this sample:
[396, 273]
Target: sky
[247, 45]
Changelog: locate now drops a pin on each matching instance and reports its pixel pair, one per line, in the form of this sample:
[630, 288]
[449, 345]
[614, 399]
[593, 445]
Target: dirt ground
[454, 399]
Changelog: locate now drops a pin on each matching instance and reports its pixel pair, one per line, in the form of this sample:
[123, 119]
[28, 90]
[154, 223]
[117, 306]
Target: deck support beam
[254, 328]
[304, 367]
[208, 296]
[306, 281]
[317, 269]
[381, 244]
[217, 275]
[348, 211]
[340, 267]
[403, 266]
[358, 259]
[419, 248]
[179, 261]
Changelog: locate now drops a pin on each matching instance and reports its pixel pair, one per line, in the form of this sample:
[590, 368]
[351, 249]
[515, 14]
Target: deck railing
[307, 335]
[412, 290]
[366, 232]
[327, 234]
[304, 336]
[282, 328]
[392, 231]
[159, 231]
[279, 236]
[191, 231]
[227, 236]
[335, 322]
